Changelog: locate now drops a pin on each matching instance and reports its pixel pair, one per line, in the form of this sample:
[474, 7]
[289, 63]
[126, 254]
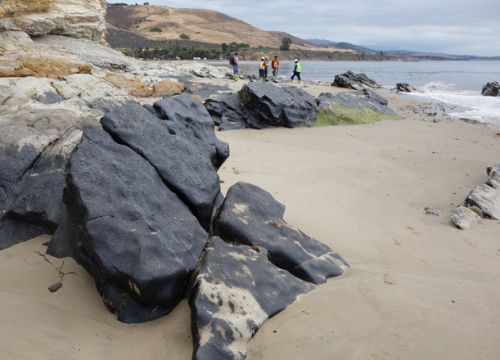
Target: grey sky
[452, 26]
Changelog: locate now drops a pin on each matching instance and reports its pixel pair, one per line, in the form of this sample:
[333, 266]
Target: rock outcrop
[363, 106]
[491, 89]
[464, 218]
[263, 105]
[74, 18]
[405, 87]
[236, 290]
[251, 216]
[482, 202]
[354, 81]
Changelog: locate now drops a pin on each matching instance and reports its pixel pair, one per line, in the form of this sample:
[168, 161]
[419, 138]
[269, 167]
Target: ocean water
[453, 82]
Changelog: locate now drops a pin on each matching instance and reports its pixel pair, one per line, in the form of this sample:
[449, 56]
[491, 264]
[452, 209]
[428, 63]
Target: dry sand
[418, 288]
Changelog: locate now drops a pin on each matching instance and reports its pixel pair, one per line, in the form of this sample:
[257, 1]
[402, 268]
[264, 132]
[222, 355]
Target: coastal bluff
[75, 18]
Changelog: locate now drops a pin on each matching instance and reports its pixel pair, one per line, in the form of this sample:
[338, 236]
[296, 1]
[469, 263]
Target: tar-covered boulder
[405, 87]
[491, 89]
[279, 106]
[228, 112]
[236, 290]
[193, 121]
[173, 149]
[251, 216]
[138, 237]
[354, 81]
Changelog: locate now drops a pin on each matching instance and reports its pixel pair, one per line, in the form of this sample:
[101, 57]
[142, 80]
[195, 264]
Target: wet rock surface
[251, 216]
[354, 81]
[491, 89]
[236, 290]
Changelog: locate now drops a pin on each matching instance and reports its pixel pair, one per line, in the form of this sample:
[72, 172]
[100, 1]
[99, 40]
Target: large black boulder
[251, 216]
[227, 111]
[491, 89]
[138, 237]
[236, 290]
[405, 87]
[172, 147]
[279, 106]
[193, 121]
[354, 81]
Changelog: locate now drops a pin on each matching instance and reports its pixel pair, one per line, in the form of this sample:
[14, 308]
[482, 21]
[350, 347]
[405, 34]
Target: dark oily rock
[279, 106]
[67, 239]
[227, 111]
[251, 216]
[432, 211]
[464, 218]
[491, 89]
[16, 161]
[142, 239]
[494, 176]
[174, 152]
[39, 200]
[405, 87]
[195, 123]
[354, 81]
[236, 290]
[13, 232]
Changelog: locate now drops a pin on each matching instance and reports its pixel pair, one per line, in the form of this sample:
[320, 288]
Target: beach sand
[418, 287]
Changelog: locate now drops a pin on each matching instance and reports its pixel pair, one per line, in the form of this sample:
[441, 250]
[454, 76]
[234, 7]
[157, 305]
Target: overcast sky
[451, 26]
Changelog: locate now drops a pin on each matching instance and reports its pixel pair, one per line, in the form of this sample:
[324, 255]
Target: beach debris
[491, 89]
[53, 288]
[464, 218]
[405, 87]
[432, 211]
[235, 291]
[354, 81]
[251, 216]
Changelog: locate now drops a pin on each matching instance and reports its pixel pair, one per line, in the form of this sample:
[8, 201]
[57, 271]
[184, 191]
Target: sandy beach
[418, 288]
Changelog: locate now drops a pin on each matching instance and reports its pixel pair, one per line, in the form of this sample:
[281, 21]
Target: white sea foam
[472, 105]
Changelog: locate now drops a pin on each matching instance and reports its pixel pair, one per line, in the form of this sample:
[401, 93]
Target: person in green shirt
[297, 70]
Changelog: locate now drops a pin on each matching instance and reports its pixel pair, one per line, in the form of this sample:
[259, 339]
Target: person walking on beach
[234, 62]
[275, 65]
[262, 69]
[297, 70]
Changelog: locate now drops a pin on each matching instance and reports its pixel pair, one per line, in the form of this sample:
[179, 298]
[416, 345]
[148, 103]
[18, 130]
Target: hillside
[205, 26]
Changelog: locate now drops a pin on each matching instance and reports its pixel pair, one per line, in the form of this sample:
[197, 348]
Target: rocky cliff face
[74, 18]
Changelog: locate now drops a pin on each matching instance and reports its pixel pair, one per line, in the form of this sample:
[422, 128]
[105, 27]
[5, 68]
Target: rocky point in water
[491, 89]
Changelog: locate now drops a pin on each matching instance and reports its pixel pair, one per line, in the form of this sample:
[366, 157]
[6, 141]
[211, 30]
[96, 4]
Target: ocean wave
[471, 104]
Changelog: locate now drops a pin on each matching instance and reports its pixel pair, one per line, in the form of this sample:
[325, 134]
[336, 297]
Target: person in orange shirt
[275, 65]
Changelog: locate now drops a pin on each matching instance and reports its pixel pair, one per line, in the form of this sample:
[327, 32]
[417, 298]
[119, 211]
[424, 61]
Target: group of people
[263, 67]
